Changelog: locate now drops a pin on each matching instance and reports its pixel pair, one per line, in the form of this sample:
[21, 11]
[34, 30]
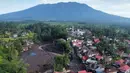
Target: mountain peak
[64, 11]
[71, 2]
[66, 3]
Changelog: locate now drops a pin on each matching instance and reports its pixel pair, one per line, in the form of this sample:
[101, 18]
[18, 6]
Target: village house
[99, 57]
[27, 45]
[24, 34]
[93, 47]
[120, 52]
[91, 60]
[128, 41]
[76, 32]
[84, 71]
[69, 38]
[100, 69]
[84, 58]
[29, 42]
[25, 48]
[125, 55]
[107, 59]
[92, 52]
[111, 70]
[15, 35]
[96, 40]
[89, 43]
[125, 69]
[85, 48]
[120, 62]
[77, 43]
[80, 32]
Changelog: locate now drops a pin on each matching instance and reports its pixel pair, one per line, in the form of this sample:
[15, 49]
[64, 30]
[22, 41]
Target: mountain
[70, 11]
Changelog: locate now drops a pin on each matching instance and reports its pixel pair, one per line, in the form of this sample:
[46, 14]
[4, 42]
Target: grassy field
[28, 36]
[7, 39]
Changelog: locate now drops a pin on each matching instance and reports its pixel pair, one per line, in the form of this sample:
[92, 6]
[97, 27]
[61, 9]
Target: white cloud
[120, 9]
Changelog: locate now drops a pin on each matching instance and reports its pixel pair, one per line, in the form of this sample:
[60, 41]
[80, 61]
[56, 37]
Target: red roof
[25, 49]
[83, 71]
[121, 61]
[58, 72]
[84, 57]
[124, 68]
[96, 40]
[98, 57]
[78, 43]
[128, 41]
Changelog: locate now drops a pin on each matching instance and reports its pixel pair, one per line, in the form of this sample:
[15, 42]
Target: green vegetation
[12, 46]
[9, 58]
[61, 62]
[46, 32]
[14, 34]
[63, 46]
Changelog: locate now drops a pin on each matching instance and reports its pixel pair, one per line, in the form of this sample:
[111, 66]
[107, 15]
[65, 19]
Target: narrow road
[75, 63]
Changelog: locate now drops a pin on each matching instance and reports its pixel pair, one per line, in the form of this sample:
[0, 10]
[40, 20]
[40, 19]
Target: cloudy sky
[116, 7]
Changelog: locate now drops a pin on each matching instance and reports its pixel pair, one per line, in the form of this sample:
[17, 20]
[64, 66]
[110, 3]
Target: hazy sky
[116, 7]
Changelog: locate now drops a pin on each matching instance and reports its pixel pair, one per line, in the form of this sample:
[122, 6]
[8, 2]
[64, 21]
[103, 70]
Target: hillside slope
[70, 11]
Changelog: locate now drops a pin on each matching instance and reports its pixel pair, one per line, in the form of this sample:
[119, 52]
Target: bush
[58, 65]
[63, 46]
[61, 62]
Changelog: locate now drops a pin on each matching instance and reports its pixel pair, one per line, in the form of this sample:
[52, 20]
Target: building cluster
[93, 59]
[96, 62]
[27, 45]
